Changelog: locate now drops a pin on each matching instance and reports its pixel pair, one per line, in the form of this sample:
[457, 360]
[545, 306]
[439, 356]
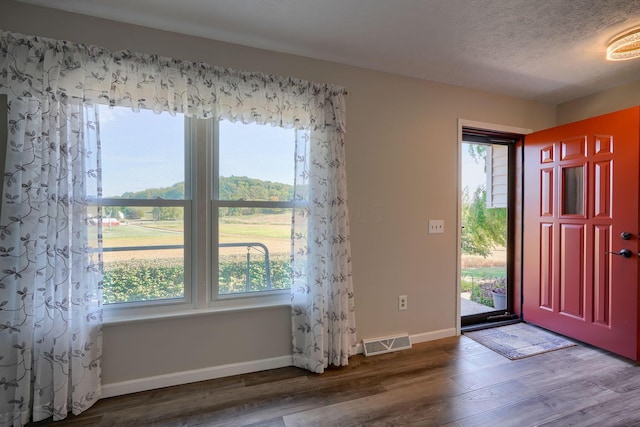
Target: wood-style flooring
[451, 382]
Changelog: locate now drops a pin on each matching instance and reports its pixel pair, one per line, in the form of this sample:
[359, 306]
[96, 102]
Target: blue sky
[473, 174]
[145, 150]
[257, 151]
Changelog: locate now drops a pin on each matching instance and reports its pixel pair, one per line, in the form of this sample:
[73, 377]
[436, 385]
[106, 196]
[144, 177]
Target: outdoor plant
[233, 271]
[499, 285]
[482, 290]
[143, 280]
[152, 279]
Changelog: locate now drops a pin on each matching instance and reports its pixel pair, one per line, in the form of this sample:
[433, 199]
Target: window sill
[117, 317]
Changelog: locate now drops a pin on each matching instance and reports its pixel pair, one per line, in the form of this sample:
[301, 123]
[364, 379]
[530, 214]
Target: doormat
[519, 341]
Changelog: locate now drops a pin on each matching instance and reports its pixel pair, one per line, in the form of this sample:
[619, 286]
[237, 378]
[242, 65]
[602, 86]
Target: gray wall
[607, 101]
[402, 170]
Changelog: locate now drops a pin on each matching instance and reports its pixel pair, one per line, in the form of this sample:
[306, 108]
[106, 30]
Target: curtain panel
[51, 86]
[41, 66]
[322, 291]
[50, 280]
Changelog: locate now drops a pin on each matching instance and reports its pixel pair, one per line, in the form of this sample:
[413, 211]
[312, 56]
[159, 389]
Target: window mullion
[212, 197]
[201, 134]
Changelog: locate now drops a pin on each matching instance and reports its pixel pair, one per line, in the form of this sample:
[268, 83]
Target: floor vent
[382, 345]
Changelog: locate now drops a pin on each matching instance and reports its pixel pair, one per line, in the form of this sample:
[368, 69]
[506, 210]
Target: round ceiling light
[625, 46]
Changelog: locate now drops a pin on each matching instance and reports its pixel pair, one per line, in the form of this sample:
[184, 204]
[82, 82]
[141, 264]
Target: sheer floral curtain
[50, 284]
[322, 291]
[51, 86]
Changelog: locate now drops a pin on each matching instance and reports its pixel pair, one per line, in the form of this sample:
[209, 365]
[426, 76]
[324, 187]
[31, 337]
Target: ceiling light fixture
[624, 46]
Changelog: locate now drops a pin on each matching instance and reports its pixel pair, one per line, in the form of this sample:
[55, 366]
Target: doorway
[488, 222]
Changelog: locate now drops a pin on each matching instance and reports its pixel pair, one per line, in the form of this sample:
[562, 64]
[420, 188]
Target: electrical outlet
[436, 226]
[402, 302]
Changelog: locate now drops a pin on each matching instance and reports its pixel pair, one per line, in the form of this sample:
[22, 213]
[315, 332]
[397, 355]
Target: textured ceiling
[546, 50]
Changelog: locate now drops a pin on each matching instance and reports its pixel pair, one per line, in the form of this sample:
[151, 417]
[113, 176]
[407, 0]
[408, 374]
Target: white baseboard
[359, 349]
[433, 335]
[178, 378]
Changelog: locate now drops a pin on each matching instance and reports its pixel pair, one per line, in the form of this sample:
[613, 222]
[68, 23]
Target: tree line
[230, 188]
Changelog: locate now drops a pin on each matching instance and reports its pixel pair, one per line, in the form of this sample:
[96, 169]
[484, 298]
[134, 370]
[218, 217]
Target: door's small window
[573, 190]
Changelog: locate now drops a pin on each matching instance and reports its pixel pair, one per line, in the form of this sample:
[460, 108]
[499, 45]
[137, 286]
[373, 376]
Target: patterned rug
[519, 341]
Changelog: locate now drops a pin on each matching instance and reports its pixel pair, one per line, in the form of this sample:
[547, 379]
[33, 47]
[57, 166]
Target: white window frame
[200, 237]
[237, 299]
[157, 306]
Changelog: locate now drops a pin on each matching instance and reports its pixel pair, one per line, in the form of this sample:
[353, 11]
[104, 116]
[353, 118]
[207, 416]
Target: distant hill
[176, 191]
[231, 188]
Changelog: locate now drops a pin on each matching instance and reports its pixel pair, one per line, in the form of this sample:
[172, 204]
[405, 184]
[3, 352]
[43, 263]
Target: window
[253, 200]
[573, 190]
[144, 207]
[154, 210]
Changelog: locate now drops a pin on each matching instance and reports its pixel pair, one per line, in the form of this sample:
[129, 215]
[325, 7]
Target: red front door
[580, 197]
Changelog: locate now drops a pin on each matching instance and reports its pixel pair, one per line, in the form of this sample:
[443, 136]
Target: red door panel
[581, 187]
[572, 268]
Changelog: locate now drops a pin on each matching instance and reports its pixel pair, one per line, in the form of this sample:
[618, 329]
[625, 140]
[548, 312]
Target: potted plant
[499, 294]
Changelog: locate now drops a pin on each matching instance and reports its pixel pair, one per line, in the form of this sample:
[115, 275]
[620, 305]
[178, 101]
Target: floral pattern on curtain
[97, 76]
[50, 282]
[65, 79]
[322, 290]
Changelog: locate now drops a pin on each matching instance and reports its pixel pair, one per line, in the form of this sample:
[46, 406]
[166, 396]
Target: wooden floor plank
[542, 408]
[453, 381]
[366, 410]
[618, 410]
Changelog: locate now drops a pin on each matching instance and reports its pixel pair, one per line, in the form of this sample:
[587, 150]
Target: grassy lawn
[141, 235]
[255, 230]
[471, 275]
[261, 227]
[273, 230]
[484, 272]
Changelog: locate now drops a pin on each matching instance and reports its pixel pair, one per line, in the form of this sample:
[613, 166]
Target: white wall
[402, 171]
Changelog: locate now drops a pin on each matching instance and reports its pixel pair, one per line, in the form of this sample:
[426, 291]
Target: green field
[272, 230]
[159, 274]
